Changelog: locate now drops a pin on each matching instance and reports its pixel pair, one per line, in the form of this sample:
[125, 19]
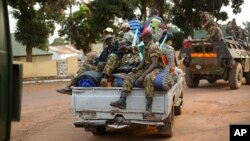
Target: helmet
[108, 29]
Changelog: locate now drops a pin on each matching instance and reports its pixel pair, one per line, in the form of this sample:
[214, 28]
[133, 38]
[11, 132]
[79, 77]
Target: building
[62, 52]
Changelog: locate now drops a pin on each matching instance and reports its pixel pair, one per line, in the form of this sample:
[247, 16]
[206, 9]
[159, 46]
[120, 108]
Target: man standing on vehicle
[145, 74]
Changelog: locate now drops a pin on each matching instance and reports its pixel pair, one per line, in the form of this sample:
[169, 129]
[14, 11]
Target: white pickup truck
[93, 112]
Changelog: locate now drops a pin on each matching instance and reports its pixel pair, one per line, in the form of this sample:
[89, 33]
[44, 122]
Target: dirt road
[207, 113]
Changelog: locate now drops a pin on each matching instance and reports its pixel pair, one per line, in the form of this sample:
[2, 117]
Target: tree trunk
[143, 10]
[28, 53]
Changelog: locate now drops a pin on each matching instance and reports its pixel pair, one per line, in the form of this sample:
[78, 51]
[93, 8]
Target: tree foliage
[78, 30]
[85, 26]
[58, 41]
[34, 23]
[185, 12]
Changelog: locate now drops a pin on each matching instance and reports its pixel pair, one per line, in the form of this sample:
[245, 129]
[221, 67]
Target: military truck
[227, 59]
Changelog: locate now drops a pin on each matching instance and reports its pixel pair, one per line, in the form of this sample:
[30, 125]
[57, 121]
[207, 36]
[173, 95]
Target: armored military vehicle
[227, 59]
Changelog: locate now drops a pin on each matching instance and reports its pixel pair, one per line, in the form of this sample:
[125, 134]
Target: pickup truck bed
[93, 111]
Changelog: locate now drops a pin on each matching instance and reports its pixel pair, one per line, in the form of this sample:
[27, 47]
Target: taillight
[187, 44]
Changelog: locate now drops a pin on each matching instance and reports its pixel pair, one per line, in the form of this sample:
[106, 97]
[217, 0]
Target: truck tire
[247, 76]
[167, 129]
[98, 131]
[178, 109]
[191, 82]
[235, 76]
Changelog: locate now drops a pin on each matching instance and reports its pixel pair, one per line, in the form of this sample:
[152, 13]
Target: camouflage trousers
[112, 63]
[87, 67]
[148, 82]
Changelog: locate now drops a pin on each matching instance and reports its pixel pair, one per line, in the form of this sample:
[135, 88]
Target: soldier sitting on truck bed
[98, 65]
[126, 57]
[145, 73]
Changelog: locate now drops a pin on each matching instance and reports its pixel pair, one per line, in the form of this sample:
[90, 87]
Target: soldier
[145, 73]
[127, 33]
[206, 19]
[124, 56]
[106, 31]
[214, 33]
[232, 28]
[98, 66]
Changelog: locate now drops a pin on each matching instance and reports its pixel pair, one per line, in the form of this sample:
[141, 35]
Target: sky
[240, 18]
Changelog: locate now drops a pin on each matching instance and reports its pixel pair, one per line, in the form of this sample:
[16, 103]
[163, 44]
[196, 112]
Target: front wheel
[235, 76]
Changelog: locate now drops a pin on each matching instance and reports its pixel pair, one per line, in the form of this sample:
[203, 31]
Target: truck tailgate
[98, 99]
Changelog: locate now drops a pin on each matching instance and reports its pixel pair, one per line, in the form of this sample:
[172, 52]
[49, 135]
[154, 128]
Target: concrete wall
[47, 68]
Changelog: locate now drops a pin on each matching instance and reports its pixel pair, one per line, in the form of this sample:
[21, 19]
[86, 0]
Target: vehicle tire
[211, 80]
[167, 129]
[178, 109]
[191, 82]
[247, 76]
[235, 76]
[98, 131]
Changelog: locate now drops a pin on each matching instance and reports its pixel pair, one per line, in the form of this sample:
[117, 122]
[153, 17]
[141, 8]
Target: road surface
[207, 113]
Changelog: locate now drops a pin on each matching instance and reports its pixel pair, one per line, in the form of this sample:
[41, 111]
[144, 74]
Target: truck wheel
[178, 109]
[98, 131]
[211, 80]
[191, 82]
[235, 76]
[247, 76]
[167, 129]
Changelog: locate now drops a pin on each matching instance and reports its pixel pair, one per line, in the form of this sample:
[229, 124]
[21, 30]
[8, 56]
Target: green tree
[185, 12]
[35, 24]
[85, 26]
[58, 41]
[247, 28]
[78, 30]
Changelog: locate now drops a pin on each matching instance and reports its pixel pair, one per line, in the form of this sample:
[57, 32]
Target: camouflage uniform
[214, 33]
[114, 62]
[150, 50]
[207, 20]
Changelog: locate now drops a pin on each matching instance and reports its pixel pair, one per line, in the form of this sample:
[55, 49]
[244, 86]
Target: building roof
[64, 49]
[19, 50]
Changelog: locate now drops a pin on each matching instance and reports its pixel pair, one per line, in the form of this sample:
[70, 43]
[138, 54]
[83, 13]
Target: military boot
[148, 111]
[67, 89]
[121, 103]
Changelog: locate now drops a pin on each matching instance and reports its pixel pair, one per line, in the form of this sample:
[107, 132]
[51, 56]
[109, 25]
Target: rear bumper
[125, 123]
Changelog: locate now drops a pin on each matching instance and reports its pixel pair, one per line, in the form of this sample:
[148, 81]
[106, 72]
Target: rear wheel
[178, 109]
[235, 76]
[191, 82]
[247, 76]
[167, 129]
